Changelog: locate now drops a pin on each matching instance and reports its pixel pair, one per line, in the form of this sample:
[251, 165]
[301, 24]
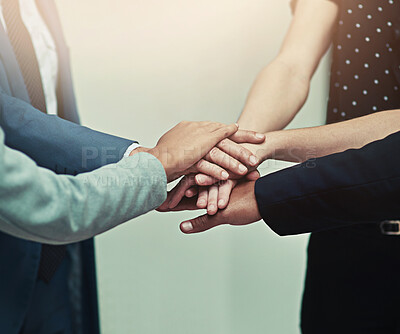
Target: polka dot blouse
[365, 73]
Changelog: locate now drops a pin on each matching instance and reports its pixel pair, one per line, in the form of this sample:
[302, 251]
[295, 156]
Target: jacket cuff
[276, 196]
[148, 171]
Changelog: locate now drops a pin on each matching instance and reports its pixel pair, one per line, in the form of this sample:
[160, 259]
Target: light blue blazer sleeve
[39, 205]
[54, 143]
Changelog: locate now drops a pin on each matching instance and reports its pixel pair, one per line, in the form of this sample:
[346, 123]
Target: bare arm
[278, 93]
[281, 88]
[302, 144]
[297, 146]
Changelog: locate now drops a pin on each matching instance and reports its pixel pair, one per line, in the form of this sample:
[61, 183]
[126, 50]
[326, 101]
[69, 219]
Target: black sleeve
[355, 186]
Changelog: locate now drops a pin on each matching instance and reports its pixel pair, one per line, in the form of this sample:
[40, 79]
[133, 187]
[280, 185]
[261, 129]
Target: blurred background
[140, 67]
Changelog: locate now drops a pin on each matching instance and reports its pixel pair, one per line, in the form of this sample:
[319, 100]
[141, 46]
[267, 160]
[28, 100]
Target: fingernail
[211, 207]
[242, 169]
[200, 178]
[221, 203]
[224, 175]
[201, 202]
[260, 135]
[187, 226]
[253, 160]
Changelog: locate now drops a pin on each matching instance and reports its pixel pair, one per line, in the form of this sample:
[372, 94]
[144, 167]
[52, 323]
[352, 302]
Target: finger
[246, 136]
[170, 194]
[253, 176]
[184, 204]
[205, 180]
[212, 205]
[225, 161]
[238, 152]
[211, 169]
[179, 191]
[163, 207]
[226, 131]
[202, 199]
[200, 224]
[224, 192]
[191, 192]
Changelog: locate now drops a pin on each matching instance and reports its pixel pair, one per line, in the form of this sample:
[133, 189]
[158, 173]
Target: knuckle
[223, 143]
[214, 152]
[201, 164]
[243, 152]
[186, 181]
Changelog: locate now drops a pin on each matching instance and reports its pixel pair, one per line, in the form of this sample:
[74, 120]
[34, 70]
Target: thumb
[253, 176]
[200, 224]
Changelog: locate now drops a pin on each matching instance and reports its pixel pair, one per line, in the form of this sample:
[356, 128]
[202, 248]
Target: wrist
[160, 156]
[166, 161]
[138, 150]
[269, 148]
[274, 145]
[286, 145]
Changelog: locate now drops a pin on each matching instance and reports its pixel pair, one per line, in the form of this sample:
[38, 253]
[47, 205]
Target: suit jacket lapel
[14, 75]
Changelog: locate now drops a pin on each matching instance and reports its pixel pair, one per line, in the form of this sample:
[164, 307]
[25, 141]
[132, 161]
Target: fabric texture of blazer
[355, 186]
[38, 205]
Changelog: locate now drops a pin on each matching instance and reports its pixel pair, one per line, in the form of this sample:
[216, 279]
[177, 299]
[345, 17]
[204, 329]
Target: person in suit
[329, 189]
[364, 79]
[332, 190]
[38, 205]
[35, 80]
[334, 193]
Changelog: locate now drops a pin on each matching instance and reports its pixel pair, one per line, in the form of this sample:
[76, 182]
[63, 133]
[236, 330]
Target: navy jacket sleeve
[355, 186]
[54, 143]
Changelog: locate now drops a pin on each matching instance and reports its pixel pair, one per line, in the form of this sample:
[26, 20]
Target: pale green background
[140, 67]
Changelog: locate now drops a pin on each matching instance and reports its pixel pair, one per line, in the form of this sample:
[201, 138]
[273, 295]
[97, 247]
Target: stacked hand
[182, 148]
[208, 148]
[210, 180]
[242, 210]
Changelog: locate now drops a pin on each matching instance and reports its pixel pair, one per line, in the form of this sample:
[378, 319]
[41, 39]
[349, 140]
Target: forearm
[302, 144]
[38, 205]
[355, 186]
[282, 87]
[278, 93]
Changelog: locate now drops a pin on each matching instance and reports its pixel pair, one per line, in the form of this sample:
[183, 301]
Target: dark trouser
[49, 312]
[352, 282]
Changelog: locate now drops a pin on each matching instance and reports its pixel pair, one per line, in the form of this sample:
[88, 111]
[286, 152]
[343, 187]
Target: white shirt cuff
[129, 150]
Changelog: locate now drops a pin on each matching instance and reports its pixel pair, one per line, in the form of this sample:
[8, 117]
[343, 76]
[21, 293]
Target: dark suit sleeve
[54, 143]
[355, 186]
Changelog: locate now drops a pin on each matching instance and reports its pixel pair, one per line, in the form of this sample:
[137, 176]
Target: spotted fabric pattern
[365, 72]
